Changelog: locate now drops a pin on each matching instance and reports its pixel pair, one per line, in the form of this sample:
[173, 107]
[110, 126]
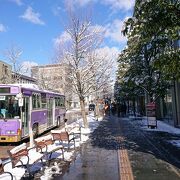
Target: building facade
[22, 79]
[7, 76]
[51, 76]
[56, 77]
[5, 73]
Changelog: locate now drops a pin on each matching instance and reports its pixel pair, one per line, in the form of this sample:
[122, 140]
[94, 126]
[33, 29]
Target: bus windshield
[9, 108]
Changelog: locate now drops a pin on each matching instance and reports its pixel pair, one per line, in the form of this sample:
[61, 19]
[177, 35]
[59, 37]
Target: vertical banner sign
[151, 115]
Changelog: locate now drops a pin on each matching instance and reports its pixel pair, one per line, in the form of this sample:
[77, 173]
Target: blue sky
[35, 26]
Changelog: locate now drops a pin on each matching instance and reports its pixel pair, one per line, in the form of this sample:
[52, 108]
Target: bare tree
[90, 71]
[13, 54]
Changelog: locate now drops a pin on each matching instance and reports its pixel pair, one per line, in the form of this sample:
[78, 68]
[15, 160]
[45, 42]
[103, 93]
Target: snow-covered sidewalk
[19, 172]
[162, 126]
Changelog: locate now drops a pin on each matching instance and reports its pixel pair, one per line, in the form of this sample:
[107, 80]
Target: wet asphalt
[98, 158]
[151, 155]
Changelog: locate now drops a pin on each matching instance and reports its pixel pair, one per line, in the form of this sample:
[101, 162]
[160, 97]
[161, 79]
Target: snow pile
[18, 148]
[175, 143]
[163, 127]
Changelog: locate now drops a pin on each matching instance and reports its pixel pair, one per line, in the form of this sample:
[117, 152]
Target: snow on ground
[175, 143]
[163, 127]
[68, 155]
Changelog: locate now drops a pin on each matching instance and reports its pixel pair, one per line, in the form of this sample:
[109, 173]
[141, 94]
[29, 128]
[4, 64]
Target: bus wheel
[35, 130]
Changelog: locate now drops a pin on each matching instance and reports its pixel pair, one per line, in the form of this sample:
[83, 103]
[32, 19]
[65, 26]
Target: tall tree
[90, 71]
[151, 53]
[156, 25]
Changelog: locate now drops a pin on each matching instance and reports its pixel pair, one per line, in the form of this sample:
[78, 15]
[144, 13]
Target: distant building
[5, 73]
[22, 79]
[7, 76]
[51, 76]
[55, 77]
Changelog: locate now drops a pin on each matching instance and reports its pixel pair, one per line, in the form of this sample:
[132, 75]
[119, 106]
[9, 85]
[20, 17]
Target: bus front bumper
[9, 139]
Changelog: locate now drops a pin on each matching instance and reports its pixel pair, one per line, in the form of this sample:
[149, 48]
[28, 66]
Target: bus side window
[38, 101]
[3, 110]
[23, 109]
[34, 101]
[43, 100]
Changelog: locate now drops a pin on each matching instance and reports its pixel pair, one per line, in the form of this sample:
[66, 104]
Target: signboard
[151, 115]
[14, 89]
[20, 102]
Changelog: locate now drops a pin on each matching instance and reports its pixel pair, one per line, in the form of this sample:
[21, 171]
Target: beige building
[7, 76]
[22, 79]
[54, 77]
[5, 73]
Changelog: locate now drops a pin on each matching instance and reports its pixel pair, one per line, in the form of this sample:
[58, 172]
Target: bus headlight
[10, 132]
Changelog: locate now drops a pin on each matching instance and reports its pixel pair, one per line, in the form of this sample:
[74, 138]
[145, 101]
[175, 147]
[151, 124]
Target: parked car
[91, 107]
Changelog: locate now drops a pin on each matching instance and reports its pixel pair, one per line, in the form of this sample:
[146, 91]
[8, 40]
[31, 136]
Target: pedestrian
[124, 108]
[118, 109]
[113, 108]
[106, 109]
[101, 109]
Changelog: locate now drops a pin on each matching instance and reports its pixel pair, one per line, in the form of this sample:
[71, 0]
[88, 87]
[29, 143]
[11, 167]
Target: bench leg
[50, 155]
[62, 153]
[68, 145]
[9, 174]
[74, 143]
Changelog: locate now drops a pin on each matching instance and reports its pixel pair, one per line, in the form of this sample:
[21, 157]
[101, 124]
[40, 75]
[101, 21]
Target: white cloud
[112, 55]
[113, 4]
[62, 38]
[32, 16]
[82, 2]
[2, 28]
[119, 4]
[113, 31]
[18, 2]
[73, 3]
[109, 53]
[97, 28]
[65, 37]
[26, 67]
[29, 64]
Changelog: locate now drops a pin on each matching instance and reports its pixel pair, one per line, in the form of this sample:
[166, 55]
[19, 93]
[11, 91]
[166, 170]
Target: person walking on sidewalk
[107, 109]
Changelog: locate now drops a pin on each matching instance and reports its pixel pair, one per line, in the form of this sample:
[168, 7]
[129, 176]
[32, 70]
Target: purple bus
[26, 105]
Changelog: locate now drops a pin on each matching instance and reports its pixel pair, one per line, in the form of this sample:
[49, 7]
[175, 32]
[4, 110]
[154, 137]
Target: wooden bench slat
[47, 143]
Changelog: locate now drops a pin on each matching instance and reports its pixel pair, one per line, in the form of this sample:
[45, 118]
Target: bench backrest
[44, 143]
[16, 153]
[62, 136]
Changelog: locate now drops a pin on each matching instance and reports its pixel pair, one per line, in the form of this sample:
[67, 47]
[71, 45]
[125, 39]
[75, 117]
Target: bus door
[50, 112]
[25, 116]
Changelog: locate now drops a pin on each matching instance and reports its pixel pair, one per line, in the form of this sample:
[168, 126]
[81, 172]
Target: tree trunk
[97, 110]
[83, 111]
[31, 137]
